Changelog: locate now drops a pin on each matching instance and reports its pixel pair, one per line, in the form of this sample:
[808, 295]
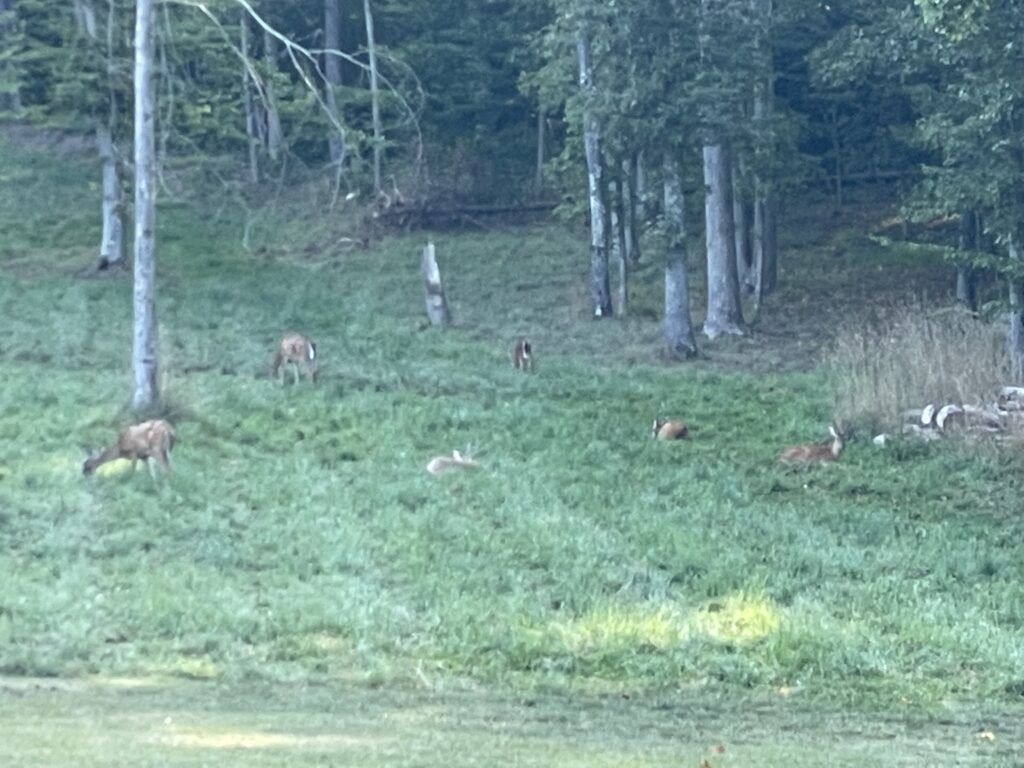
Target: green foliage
[301, 538]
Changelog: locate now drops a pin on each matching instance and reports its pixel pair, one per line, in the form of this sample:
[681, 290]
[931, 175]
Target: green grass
[301, 540]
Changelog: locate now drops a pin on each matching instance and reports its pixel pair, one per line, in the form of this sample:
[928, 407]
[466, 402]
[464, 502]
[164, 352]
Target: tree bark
[1016, 336]
[680, 340]
[600, 290]
[251, 131]
[378, 133]
[741, 227]
[11, 98]
[332, 74]
[273, 135]
[724, 315]
[630, 169]
[538, 181]
[112, 247]
[145, 394]
[621, 243]
[966, 275]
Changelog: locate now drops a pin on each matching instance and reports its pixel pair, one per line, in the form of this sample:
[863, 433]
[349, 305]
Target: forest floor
[302, 592]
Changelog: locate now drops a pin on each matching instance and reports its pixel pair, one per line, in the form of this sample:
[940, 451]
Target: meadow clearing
[302, 592]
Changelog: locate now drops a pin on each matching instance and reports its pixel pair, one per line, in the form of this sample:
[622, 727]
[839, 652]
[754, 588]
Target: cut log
[437, 305]
[948, 416]
[928, 415]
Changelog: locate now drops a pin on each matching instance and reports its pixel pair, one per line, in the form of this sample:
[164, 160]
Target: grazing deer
[148, 440]
[441, 464]
[298, 351]
[669, 430]
[816, 453]
[522, 355]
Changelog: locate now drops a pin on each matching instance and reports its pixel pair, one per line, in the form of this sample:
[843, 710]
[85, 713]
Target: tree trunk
[251, 131]
[10, 98]
[723, 311]
[112, 240]
[378, 133]
[680, 340]
[274, 138]
[629, 170]
[1016, 336]
[332, 74]
[966, 275]
[765, 251]
[741, 226]
[837, 151]
[621, 243]
[145, 394]
[538, 181]
[112, 247]
[600, 290]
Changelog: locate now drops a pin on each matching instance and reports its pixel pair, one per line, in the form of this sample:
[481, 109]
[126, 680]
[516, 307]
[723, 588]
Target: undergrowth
[301, 538]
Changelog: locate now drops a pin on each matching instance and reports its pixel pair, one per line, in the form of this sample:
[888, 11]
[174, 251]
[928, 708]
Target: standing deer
[148, 440]
[298, 351]
[669, 430]
[522, 355]
[816, 453]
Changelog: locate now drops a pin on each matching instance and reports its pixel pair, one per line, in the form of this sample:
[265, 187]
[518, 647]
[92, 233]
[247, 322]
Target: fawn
[148, 440]
[298, 351]
[816, 453]
[441, 464]
[669, 430]
[522, 355]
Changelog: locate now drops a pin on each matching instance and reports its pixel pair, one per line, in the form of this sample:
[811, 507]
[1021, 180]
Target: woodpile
[1003, 418]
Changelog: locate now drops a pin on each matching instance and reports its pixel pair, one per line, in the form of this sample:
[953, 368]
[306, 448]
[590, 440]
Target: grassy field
[301, 553]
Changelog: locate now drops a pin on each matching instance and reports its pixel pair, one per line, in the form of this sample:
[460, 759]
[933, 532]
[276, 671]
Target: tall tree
[600, 287]
[332, 73]
[378, 130]
[145, 393]
[680, 341]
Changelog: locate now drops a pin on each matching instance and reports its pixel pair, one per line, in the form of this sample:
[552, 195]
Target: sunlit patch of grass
[621, 628]
[737, 619]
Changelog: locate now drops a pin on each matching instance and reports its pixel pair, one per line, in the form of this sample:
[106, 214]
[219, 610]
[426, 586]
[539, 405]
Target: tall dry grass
[913, 357]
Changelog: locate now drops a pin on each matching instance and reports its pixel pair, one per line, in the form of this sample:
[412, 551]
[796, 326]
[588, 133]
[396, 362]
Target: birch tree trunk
[630, 169]
[680, 341]
[251, 131]
[378, 137]
[437, 304]
[600, 290]
[145, 394]
[966, 275]
[332, 74]
[764, 245]
[724, 315]
[112, 237]
[538, 181]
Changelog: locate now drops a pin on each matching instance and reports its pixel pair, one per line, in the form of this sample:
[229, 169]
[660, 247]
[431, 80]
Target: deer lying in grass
[816, 453]
[442, 464]
[522, 356]
[299, 352]
[669, 430]
[148, 440]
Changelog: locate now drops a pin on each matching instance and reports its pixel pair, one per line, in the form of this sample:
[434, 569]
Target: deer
[299, 352]
[816, 453]
[522, 355]
[669, 430]
[148, 440]
[439, 465]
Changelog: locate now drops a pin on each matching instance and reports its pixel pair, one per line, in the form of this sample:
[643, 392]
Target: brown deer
[148, 440]
[522, 355]
[442, 464]
[299, 352]
[669, 430]
[816, 453]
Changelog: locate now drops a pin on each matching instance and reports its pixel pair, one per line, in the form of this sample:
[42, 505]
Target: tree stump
[437, 305]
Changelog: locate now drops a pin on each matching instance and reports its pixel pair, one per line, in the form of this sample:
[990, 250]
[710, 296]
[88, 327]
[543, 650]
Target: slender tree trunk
[273, 135]
[145, 394]
[765, 251]
[600, 290]
[251, 132]
[112, 246]
[741, 226]
[332, 74]
[538, 180]
[1016, 336]
[621, 243]
[629, 171]
[378, 133]
[966, 275]
[723, 312]
[680, 340]
[10, 99]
